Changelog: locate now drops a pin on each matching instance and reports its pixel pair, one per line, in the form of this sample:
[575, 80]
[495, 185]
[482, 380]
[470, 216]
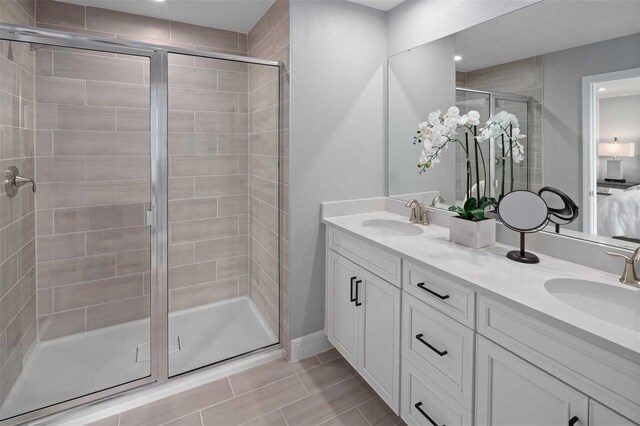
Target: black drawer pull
[419, 337]
[351, 298]
[573, 420]
[357, 296]
[439, 296]
[418, 405]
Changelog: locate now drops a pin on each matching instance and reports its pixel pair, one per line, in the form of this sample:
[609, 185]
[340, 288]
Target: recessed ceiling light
[602, 89]
[457, 58]
[160, 1]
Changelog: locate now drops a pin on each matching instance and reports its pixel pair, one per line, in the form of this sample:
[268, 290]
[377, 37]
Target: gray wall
[562, 127]
[416, 22]
[411, 98]
[338, 64]
[618, 117]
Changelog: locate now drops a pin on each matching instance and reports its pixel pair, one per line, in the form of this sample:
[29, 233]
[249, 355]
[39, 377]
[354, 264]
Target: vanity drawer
[424, 403]
[426, 335]
[381, 263]
[446, 296]
[603, 375]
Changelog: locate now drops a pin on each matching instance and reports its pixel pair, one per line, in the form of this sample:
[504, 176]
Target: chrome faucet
[419, 214]
[629, 276]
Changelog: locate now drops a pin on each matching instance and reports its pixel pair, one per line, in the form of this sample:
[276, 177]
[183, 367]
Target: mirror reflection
[561, 79]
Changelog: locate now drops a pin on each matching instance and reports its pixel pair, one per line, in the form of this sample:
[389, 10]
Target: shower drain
[143, 351]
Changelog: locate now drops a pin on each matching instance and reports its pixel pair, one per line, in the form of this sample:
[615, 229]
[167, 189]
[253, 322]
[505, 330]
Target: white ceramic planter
[472, 234]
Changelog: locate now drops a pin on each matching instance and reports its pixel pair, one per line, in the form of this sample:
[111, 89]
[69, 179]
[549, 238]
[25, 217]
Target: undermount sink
[615, 304]
[392, 227]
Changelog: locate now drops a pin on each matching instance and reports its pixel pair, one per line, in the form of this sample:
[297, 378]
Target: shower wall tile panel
[92, 155]
[17, 214]
[268, 226]
[522, 77]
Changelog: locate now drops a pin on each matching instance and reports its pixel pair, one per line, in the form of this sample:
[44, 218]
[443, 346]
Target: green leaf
[470, 204]
[478, 214]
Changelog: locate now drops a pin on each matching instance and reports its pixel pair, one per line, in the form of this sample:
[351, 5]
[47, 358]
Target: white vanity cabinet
[512, 392]
[440, 353]
[363, 324]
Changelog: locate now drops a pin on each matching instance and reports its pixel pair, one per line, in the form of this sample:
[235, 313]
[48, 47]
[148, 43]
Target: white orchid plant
[438, 132]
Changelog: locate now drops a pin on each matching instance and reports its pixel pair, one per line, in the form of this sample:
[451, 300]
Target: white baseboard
[309, 345]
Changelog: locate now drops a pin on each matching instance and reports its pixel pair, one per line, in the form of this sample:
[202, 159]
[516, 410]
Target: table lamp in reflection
[616, 151]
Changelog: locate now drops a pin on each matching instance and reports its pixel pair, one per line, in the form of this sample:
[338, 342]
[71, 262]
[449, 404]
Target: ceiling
[545, 27]
[617, 88]
[232, 15]
[384, 5]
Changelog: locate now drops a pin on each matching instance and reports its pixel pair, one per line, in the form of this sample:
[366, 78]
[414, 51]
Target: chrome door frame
[158, 68]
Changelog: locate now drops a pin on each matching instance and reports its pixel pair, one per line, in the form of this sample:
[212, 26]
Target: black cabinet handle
[573, 420]
[439, 296]
[357, 287]
[418, 405]
[351, 298]
[419, 337]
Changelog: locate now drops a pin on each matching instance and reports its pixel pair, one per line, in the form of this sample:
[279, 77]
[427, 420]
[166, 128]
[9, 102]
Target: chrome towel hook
[13, 181]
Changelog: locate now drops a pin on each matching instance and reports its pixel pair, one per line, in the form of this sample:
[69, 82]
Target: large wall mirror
[568, 72]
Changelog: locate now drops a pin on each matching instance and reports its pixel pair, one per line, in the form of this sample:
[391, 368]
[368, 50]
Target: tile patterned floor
[321, 390]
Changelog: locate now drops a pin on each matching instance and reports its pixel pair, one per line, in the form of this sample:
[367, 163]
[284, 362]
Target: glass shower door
[75, 257]
[223, 210]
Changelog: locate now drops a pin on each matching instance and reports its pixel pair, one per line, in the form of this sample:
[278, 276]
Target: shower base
[73, 366]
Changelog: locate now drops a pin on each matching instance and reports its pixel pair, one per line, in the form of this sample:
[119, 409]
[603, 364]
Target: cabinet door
[378, 306]
[341, 313]
[599, 415]
[511, 392]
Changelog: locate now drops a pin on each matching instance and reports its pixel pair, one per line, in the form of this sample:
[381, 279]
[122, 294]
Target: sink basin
[392, 227]
[615, 304]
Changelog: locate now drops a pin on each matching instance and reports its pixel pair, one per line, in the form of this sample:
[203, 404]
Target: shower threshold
[72, 366]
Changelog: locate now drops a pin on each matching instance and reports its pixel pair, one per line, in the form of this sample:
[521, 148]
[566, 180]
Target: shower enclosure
[141, 238]
[488, 103]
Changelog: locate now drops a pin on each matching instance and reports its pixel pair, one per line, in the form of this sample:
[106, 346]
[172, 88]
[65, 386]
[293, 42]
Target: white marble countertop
[489, 272]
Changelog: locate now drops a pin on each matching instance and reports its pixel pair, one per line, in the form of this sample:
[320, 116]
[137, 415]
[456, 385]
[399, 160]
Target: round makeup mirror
[562, 209]
[523, 212]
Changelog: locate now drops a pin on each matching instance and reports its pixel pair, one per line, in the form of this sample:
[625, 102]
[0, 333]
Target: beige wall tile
[125, 23]
[58, 13]
[133, 119]
[133, 262]
[233, 81]
[233, 144]
[221, 248]
[195, 78]
[69, 194]
[181, 254]
[221, 122]
[211, 186]
[201, 165]
[105, 93]
[233, 267]
[204, 36]
[195, 208]
[116, 167]
[118, 240]
[126, 310]
[59, 247]
[78, 270]
[61, 324]
[102, 143]
[233, 205]
[89, 67]
[193, 143]
[203, 100]
[195, 273]
[60, 90]
[202, 294]
[59, 169]
[96, 292]
[203, 229]
[72, 117]
[98, 217]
